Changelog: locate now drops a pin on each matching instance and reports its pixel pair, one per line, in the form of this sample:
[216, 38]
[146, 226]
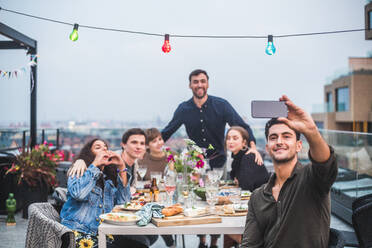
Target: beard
[283, 160]
[198, 96]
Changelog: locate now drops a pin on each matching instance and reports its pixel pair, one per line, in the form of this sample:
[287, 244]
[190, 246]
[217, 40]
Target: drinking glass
[235, 196]
[142, 169]
[157, 175]
[185, 190]
[212, 177]
[219, 172]
[211, 192]
[170, 185]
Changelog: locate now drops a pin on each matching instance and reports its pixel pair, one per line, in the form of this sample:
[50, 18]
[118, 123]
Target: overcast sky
[120, 76]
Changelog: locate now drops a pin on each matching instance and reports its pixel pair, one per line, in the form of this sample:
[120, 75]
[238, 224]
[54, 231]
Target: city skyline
[115, 76]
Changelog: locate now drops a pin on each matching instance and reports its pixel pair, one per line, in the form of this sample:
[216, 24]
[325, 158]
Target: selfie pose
[300, 192]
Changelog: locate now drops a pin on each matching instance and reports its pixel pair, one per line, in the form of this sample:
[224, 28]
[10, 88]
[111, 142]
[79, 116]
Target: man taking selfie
[293, 208]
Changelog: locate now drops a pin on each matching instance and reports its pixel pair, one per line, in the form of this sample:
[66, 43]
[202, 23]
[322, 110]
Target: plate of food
[122, 219]
[240, 208]
[245, 194]
[132, 206]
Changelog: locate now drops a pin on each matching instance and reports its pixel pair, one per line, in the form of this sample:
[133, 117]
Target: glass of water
[211, 192]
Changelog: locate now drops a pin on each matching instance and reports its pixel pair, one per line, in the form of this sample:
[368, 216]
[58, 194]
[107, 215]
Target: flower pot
[31, 194]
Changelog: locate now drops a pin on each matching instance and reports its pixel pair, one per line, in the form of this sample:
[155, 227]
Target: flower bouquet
[191, 160]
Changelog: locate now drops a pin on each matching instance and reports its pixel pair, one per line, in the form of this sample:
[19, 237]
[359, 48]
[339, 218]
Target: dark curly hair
[88, 157]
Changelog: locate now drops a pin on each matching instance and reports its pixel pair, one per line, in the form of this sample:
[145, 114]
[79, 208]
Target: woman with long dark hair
[245, 171]
[103, 185]
[248, 174]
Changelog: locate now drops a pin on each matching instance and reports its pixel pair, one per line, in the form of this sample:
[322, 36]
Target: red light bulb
[166, 46]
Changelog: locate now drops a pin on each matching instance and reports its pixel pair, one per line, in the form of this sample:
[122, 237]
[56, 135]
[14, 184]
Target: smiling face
[235, 141]
[135, 146]
[98, 146]
[156, 144]
[282, 144]
[199, 85]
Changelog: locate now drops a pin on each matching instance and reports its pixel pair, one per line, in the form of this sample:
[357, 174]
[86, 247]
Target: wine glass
[219, 172]
[212, 177]
[157, 175]
[142, 169]
[170, 185]
[211, 192]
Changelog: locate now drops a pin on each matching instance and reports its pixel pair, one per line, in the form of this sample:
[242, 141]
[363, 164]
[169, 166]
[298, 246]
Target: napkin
[148, 211]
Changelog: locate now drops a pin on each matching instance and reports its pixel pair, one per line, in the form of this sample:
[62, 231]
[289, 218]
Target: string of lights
[270, 48]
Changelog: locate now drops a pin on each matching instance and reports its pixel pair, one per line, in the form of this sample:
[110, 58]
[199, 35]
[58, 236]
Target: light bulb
[166, 46]
[270, 49]
[74, 34]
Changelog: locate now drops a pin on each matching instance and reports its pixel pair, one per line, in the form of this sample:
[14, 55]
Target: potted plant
[36, 173]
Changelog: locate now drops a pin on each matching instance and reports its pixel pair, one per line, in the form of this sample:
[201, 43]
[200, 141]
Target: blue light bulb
[270, 49]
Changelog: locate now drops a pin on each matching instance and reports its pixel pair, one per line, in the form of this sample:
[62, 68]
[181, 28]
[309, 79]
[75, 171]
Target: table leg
[101, 239]
[183, 240]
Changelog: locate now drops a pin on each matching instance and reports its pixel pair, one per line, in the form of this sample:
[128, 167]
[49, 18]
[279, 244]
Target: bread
[228, 209]
[222, 200]
[172, 210]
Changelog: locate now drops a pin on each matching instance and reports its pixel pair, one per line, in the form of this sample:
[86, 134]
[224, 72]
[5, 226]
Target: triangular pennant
[10, 74]
[4, 74]
[15, 73]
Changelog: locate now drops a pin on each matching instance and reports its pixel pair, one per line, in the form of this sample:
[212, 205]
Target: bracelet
[125, 169]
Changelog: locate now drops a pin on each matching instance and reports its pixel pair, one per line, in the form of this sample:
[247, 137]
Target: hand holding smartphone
[268, 109]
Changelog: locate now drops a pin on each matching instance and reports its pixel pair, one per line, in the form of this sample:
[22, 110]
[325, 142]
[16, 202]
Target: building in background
[348, 99]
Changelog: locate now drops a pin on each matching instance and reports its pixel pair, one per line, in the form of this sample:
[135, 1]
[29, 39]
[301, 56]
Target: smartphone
[268, 109]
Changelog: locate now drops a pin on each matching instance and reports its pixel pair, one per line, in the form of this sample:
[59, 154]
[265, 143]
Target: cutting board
[234, 214]
[180, 220]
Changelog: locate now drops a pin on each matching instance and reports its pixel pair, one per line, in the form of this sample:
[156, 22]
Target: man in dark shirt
[293, 208]
[205, 118]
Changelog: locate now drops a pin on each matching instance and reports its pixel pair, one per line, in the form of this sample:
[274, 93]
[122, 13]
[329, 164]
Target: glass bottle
[11, 208]
[155, 190]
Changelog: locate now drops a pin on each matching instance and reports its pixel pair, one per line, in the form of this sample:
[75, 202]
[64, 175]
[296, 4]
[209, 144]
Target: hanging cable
[186, 36]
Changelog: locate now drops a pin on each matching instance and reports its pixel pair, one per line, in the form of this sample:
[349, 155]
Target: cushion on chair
[362, 222]
[336, 239]
[361, 201]
[44, 229]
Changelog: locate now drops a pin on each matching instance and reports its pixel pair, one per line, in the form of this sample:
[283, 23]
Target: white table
[229, 225]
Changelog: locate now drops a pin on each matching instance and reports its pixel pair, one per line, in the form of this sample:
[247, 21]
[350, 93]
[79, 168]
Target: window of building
[319, 124]
[342, 99]
[329, 103]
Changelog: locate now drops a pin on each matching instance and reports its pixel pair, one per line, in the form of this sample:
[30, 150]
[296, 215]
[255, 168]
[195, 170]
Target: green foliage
[36, 166]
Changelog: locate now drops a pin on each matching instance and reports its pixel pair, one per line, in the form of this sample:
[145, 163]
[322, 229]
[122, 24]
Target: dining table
[229, 225]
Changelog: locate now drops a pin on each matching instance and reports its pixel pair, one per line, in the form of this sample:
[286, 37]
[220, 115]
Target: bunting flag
[6, 74]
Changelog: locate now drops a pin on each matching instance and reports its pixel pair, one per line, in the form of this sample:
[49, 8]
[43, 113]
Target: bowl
[200, 191]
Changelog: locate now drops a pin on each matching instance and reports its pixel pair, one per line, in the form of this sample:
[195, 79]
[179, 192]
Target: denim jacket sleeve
[79, 188]
[123, 193]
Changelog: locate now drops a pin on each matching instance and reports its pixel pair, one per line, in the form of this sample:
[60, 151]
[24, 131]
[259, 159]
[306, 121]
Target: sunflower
[77, 234]
[86, 243]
